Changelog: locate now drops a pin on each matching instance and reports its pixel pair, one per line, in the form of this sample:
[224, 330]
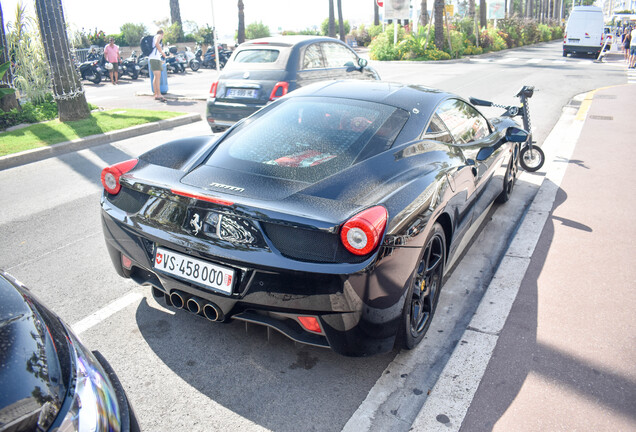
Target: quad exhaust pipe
[193, 304]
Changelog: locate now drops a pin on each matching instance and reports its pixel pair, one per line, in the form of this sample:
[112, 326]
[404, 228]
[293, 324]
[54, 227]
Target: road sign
[380, 3]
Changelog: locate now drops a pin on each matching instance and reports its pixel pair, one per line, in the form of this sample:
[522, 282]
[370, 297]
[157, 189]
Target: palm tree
[332, 26]
[424, 13]
[483, 20]
[175, 12]
[8, 101]
[67, 87]
[376, 13]
[341, 21]
[438, 7]
[241, 22]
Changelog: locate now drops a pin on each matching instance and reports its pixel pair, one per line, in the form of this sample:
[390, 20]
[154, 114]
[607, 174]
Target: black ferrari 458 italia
[330, 215]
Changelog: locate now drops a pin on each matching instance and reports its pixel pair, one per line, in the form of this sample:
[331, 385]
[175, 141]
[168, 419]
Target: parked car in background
[48, 380]
[329, 215]
[263, 70]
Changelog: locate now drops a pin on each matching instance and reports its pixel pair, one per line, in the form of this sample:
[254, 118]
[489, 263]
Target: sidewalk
[564, 358]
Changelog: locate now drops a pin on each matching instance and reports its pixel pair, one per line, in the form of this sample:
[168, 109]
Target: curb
[176, 97]
[38, 154]
[453, 393]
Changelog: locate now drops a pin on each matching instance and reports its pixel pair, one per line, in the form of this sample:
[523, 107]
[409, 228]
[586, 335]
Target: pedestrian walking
[627, 37]
[632, 49]
[156, 59]
[111, 54]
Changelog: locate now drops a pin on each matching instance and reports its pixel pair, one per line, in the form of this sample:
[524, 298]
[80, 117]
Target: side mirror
[362, 63]
[514, 134]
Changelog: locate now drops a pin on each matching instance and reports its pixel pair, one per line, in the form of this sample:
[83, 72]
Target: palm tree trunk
[376, 13]
[175, 12]
[332, 24]
[67, 87]
[241, 22]
[341, 22]
[438, 7]
[483, 14]
[9, 101]
[423, 13]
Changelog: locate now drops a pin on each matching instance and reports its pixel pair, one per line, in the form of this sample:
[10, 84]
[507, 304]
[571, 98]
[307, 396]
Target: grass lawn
[54, 131]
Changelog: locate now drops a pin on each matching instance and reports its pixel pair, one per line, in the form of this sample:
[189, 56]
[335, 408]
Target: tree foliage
[257, 30]
[30, 69]
[132, 33]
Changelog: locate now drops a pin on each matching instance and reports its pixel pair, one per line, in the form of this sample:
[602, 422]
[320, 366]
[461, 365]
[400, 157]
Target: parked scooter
[531, 157]
[172, 63]
[190, 58]
[142, 62]
[208, 60]
[130, 67]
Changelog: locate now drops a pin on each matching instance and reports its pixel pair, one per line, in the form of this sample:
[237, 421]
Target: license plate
[201, 272]
[573, 40]
[241, 93]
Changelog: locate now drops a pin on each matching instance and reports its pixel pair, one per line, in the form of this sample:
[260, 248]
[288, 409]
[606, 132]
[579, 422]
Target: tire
[97, 79]
[194, 65]
[134, 75]
[425, 286]
[509, 179]
[531, 161]
[565, 53]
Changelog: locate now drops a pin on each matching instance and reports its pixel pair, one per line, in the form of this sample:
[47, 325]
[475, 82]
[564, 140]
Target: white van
[584, 31]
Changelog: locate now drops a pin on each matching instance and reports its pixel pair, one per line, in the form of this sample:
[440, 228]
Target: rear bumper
[354, 319]
[221, 115]
[578, 49]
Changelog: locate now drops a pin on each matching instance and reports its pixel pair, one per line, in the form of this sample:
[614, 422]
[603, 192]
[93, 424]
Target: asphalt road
[184, 373]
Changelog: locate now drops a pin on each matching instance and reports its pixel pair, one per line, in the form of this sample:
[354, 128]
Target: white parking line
[105, 312]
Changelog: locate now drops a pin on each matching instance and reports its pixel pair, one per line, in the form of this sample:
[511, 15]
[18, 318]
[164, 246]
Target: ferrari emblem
[197, 225]
[422, 286]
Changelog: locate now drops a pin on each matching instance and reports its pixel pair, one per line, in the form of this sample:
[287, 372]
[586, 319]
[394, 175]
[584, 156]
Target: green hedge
[510, 33]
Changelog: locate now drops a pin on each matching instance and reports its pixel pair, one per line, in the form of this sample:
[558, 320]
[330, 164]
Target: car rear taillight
[280, 89]
[362, 233]
[111, 175]
[213, 89]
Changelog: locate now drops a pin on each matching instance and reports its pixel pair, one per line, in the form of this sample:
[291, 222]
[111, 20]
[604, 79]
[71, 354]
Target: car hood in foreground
[32, 380]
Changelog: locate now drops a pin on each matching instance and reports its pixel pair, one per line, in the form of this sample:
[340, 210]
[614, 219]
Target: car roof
[399, 95]
[287, 41]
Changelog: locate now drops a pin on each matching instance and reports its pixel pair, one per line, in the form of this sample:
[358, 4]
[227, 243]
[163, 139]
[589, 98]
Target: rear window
[257, 56]
[308, 139]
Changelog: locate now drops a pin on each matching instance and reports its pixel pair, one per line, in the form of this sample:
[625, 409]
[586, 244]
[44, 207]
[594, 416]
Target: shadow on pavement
[237, 367]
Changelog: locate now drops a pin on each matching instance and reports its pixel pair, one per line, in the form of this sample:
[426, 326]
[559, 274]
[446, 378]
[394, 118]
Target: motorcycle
[209, 59]
[90, 70]
[172, 62]
[142, 62]
[130, 67]
[531, 157]
[190, 58]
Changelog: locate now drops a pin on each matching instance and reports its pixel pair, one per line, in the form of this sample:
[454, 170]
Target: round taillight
[111, 175]
[362, 233]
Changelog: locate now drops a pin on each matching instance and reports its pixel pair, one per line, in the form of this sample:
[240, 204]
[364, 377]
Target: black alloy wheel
[423, 294]
[509, 179]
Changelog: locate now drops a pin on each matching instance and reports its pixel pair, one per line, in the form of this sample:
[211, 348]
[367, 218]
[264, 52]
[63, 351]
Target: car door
[460, 178]
[341, 62]
[312, 66]
[482, 148]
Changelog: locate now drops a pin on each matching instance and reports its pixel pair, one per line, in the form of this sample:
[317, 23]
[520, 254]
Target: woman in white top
[156, 63]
